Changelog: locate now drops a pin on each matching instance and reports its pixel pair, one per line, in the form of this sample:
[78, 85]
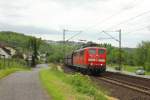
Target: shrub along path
[23, 85]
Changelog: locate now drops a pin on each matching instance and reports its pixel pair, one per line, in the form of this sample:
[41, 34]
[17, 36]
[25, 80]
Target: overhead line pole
[64, 38]
[119, 41]
[120, 55]
[64, 43]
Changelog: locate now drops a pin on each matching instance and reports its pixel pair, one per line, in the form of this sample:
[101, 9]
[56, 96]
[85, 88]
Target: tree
[33, 46]
[142, 56]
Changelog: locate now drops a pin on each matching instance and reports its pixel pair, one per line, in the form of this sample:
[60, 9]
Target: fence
[11, 62]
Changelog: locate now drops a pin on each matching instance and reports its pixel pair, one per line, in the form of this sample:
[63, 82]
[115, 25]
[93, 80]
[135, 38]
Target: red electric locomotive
[91, 59]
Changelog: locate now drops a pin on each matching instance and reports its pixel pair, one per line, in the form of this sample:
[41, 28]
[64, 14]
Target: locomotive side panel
[79, 58]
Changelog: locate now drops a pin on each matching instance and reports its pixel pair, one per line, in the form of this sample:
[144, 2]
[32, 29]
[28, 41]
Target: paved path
[24, 85]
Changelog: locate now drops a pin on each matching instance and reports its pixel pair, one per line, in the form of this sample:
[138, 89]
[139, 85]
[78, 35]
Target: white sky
[48, 18]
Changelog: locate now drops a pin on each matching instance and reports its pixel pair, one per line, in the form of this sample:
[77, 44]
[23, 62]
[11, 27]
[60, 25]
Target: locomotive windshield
[92, 51]
[101, 51]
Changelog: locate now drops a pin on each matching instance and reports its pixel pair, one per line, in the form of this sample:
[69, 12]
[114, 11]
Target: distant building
[62, 42]
[12, 50]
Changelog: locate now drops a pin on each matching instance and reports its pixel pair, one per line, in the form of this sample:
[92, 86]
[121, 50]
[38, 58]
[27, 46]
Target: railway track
[129, 85]
[133, 79]
[121, 86]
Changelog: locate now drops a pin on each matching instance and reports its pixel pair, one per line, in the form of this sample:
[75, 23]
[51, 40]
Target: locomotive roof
[94, 47]
[88, 48]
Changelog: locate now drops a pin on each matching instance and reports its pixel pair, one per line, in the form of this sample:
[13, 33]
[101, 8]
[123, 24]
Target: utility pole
[4, 60]
[120, 56]
[64, 42]
[64, 36]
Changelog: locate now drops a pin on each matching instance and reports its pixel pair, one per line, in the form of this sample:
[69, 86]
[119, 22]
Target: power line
[74, 35]
[139, 29]
[108, 18]
[139, 15]
[119, 41]
[110, 36]
[105, 20]
[103, 38]
[132, 18]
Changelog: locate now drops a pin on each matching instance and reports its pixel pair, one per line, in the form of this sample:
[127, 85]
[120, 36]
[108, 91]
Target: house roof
[7, 51]
[3, 46]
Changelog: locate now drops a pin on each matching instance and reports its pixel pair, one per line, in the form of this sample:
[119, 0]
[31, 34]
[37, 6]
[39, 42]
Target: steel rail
[129, 85]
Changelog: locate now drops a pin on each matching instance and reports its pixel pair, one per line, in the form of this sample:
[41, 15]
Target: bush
[12, 63]
[78, 86]
[82, 84]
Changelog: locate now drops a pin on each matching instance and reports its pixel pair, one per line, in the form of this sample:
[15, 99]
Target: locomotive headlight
[101, 60]
[91, 59]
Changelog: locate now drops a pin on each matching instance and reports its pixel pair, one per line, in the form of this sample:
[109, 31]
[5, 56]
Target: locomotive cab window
[92, 51]
[101, 51]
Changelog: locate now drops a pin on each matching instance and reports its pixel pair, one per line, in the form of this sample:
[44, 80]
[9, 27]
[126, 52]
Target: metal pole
[64, 42]
[4, 61]
[64, 36]
[120, 56]
[119, 41]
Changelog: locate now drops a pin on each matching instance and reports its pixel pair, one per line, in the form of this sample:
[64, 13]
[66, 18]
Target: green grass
[11, 66]
[62, 86]
[9, 63]
[133, 69]
[126, 68]
[147, 73]
[129, 68]
[7, 71]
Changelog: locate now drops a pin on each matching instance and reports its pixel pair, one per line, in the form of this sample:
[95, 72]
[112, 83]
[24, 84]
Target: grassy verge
[130, 68]
[7, 71]
[133, 69]
[147, 73]
[11, 66]
[62, 86]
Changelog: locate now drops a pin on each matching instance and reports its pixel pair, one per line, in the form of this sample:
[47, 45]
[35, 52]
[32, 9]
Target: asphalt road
[24, 85]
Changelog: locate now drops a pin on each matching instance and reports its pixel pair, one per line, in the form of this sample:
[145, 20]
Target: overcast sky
[48, 18]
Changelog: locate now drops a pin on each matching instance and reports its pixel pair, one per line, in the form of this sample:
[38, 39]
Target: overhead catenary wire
[132, 18]
[125, 21]
[139, 29]
[74, 36]
[102, 21]
[106, 19]
[110, 36]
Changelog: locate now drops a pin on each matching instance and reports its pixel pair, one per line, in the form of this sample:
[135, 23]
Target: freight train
[89, 59]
